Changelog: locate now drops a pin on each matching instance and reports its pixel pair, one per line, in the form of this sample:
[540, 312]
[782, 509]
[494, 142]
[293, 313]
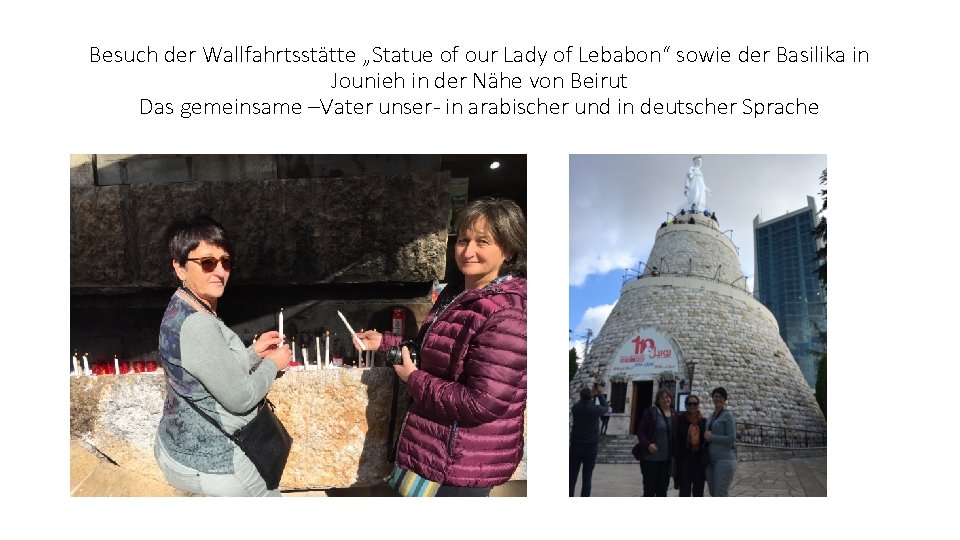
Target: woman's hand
[407, 367]
[266, 342]
[371, 340]
[652, 448]
[281, 356]
[707, 435]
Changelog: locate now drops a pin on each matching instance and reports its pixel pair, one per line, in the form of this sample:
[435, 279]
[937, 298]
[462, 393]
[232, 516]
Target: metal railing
[779, 437]
[630, 274]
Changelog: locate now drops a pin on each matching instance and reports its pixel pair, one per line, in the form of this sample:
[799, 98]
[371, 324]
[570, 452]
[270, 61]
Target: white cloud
[618, 202]
[593, 319]
[595, 261]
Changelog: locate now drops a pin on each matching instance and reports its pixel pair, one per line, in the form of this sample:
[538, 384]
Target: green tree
[820, 232]
[573, 362]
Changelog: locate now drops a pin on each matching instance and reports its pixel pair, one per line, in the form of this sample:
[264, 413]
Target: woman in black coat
[689, 449]
[654, 433]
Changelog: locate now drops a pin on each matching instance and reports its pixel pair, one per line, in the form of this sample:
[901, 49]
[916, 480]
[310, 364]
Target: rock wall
[361, 244]
[338, 418]
[359, 229]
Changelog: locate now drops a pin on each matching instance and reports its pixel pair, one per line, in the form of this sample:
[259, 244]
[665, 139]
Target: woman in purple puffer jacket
[463, 432]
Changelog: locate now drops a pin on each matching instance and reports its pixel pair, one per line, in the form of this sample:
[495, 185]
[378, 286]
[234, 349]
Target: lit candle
[76, 365]
[116, 364]
[318, 352]
[86, 365]
[281, 327]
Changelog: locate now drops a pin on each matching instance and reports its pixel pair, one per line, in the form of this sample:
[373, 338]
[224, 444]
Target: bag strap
[209, 418]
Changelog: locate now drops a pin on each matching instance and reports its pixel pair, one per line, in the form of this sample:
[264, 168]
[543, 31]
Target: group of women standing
[698, 449]
[463, 431]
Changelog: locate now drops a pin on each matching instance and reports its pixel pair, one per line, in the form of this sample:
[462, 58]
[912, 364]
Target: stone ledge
[338, 419]
[92, 476]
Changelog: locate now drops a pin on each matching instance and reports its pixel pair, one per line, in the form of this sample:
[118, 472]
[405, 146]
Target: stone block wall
[699, 249]
[361, 244]
[338, 418]
[700, 301]
[304, 231]
[732, 338]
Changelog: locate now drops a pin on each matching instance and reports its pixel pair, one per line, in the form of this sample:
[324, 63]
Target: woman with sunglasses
[690, 449]
[208, 367]
[722, 435]
[463, 431]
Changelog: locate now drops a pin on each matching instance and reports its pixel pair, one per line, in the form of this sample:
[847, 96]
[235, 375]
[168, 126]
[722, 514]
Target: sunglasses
[209, 264]
[693, 404]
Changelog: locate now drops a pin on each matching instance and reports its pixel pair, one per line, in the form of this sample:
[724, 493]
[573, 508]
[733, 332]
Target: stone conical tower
[689, 313]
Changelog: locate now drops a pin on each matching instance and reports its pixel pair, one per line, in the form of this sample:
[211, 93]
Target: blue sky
[617, 202]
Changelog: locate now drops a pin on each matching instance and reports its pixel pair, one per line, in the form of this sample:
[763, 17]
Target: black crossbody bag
[264, 440]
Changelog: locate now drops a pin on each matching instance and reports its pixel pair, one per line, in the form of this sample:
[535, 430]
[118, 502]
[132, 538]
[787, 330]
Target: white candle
[318, 352]
[326, 351]
[86, 365]
[281, 326]
[304, 350]
[116, 364]
[76, 366]
[352, 333]
[293, 348]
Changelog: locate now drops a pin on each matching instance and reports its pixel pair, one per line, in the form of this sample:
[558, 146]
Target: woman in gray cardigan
[721, 435]
[207, 367]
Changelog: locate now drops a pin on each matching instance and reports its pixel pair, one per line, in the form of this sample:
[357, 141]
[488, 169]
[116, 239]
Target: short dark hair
[719, 390]
[507, 225]
[586, 393]
[184, 236]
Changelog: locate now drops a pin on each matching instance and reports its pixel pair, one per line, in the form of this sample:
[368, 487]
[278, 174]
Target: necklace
[199, 301]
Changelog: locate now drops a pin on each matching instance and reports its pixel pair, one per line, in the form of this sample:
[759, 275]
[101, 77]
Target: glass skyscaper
[786, 282]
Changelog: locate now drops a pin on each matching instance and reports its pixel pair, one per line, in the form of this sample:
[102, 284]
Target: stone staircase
[616, 449]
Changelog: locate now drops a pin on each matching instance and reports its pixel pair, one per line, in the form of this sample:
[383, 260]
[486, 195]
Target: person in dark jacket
[654, 433]
[601, 399]
[690, 450]
[585, 438]
[463, 431]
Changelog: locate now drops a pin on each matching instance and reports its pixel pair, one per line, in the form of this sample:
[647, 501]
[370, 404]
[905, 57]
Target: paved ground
[800, 477]
[92, 476]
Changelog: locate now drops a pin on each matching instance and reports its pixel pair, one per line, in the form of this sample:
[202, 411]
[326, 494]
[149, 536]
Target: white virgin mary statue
[694, 188]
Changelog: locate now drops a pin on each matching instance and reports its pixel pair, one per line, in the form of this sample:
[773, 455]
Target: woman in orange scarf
[691, 455]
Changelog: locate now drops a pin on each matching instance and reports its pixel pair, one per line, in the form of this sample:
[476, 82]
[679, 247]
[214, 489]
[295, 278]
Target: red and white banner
[644, 354]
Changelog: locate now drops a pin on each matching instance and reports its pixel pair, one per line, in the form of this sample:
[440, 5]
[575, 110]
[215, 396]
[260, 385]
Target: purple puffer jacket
[465, 424]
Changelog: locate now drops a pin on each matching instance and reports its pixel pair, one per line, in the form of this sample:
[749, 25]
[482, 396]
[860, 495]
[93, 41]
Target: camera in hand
[395, 354]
